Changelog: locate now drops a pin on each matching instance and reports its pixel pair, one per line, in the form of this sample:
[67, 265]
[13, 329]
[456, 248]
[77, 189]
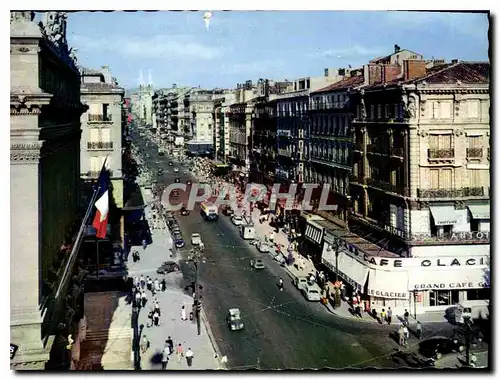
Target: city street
[282, 330]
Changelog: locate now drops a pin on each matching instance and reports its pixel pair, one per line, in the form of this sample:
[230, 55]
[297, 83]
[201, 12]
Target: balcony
[377, 149]
[450, 238]
[97, 118]
[451, 193]
[441, 154]
[475, 153]
[387, 186]
[100, 145]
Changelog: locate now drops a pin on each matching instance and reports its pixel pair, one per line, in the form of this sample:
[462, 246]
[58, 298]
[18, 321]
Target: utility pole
[197, 304]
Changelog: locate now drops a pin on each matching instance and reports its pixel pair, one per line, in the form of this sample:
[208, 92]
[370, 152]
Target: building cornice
[23, 102]
[25, 152]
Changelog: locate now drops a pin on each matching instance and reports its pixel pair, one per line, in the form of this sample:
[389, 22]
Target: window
[379, 111]
[441, 178]
[445, 111]
[386, 111]
[478, 294]
[440, 141]
[474, 141]
[443, 297]
[473, 109]
[358, 111]
[94, 134]
[372, 111]
[435, 110]
[474, 177]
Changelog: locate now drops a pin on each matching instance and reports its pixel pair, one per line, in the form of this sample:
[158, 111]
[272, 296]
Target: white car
[237, 220]
[263, 247]
[176, 170]
[195, 239]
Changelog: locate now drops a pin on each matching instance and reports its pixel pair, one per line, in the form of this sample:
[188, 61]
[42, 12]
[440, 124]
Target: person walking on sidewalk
[156, 319]
[144, 344]
[163, 285]
[179, 352]
[143, 282]
[383, 316]
[401, 335]
[169, 343]
[406, 333]
[389, 315]
[406, 316]
[419, 330]
[144, 298]
[144, 244]
[183, 313]
[149, 283]
[189, 357]
[164, 358]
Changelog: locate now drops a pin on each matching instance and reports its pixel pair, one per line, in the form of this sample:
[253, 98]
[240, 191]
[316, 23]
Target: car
[107, 274]
[177, 180]
[176, 170]
[257, 264]
[438, 346]
[168, 267]
[234, 320]
[175, 228]
[195, 239]
[312, 292]
[179, 242]
[237, 220]
[170, 163]
[263, 247]
[228, 211]
[184, 211]
[300, 282]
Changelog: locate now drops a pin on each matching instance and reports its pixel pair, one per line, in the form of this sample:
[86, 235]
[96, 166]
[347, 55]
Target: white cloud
[175, 47]
[354, 50]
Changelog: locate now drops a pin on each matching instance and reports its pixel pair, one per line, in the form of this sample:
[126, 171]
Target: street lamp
[195, 258]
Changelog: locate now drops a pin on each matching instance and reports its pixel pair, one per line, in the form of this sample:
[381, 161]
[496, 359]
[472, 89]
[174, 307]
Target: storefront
[418, 284]
[312, 243]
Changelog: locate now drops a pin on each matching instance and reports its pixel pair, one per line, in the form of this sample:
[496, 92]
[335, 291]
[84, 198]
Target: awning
[480, 211]
[314, 234]
[444, 215]
[453, 278]
[388, 284]
[351, 270]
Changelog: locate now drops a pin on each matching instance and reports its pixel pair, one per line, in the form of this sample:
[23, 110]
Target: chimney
[397, 49]
[454, 61]
[413, 69]
[390, 72]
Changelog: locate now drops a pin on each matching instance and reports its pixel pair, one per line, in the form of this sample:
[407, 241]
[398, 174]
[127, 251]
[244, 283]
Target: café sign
[452, 285]
[386, 294]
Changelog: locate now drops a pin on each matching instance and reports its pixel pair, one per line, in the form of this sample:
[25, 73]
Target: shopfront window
[443, 297]
[478, 294]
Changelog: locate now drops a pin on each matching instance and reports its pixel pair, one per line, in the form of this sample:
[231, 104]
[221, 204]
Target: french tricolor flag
[100, 222]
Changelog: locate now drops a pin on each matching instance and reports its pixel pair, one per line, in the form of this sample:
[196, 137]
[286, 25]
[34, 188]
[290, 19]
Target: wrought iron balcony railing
[99, 145]
[99, 118]
[387, 186]
[451, 193]
[439, 154]
[377, 148]
[474, 152]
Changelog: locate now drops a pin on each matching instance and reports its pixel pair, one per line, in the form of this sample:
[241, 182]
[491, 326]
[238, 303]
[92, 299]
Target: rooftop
[101, 87]
[87, 71]
[344, 83]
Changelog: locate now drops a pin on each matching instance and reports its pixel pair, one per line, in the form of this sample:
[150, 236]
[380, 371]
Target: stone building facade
[45, 110]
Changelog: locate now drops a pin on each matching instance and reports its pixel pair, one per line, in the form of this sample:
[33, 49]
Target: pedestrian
[144, 298]
[383, 316]
[136, 282]
[183, 313]
[189, 357]
[144, 244]
[169, 343]
[144, 344]
[149, 283]
[406, 333]
[138, 298]
[179, 352]
[157, 285]
[389, 316]
[419, 330]
[401, 335]
[164, 359]
[157, 307]
[143, 282]
[406, 316]
[163, 285]
[150, 319]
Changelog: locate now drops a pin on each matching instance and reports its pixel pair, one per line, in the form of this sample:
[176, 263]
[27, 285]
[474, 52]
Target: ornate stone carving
[25, 152]
[17, 16]
[422, 133]
[411, 109]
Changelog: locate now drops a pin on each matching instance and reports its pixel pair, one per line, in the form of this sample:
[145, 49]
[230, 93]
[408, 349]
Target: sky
[247, 45]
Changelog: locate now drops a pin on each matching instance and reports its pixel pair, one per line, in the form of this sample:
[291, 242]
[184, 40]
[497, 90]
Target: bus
[209, 212]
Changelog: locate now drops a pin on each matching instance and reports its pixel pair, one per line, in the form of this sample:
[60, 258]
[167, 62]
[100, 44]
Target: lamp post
[336, 247]
[195, 258]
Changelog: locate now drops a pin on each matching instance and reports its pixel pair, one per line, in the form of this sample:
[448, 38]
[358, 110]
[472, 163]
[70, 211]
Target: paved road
[282, 330]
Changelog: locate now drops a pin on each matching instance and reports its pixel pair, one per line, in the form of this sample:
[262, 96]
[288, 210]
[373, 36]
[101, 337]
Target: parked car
[263, 247]
[168, 267]
[257, 264]
[234, 320]
[237, 220]
[179, 241]
[195, 239]
[175, 228]
[312, 292]
[438, 346]
[300, 282]
[184, 211]
[108, 274]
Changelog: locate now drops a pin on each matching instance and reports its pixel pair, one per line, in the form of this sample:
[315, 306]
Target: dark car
[168, 267]
[438, 346]
[184, 211]
[179, 241]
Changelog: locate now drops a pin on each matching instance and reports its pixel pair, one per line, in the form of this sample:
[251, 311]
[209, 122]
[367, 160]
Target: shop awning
[480, 211]
[444, 215]
[388, 284]
[314, 233]
[350, 269]
[449, 279]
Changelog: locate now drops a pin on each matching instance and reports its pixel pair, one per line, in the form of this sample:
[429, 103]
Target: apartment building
[102, 130]
[418, 236]
[328, 149]
[292, 125]
[222, 105]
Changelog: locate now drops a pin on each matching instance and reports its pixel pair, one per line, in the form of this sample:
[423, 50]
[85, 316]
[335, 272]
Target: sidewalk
[459, 360]
[171, 301]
